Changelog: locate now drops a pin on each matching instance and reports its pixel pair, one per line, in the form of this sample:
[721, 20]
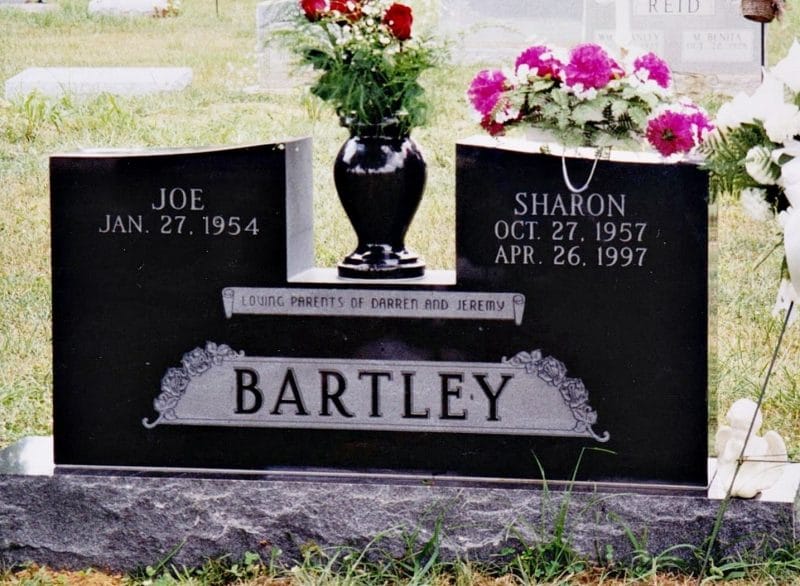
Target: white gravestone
[496, 31]
[694, 36]
[55, 82]
[127, 7]
[276, 65]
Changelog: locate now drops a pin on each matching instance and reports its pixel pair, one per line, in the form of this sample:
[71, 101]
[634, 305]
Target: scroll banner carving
[528, 394]
[373, 303]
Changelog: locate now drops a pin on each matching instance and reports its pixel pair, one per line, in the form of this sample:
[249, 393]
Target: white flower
[759, 165]
[790, 181]
[506, 114]
[560, 53]
[583, 94]
[786, 296]
[734, 113]
[791, 245]
[781, 119]
[646, 88]
[766, 102]
[524, 71]
[754, 204]
[788, 68]
[782, 122]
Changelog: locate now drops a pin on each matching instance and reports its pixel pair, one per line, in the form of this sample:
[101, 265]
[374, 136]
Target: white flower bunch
[755, 152]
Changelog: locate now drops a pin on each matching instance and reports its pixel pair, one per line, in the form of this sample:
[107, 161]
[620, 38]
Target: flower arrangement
[369, 57]
[754, 153]
[586, 97]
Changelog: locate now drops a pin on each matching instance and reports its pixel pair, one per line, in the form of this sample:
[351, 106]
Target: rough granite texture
[122, 523]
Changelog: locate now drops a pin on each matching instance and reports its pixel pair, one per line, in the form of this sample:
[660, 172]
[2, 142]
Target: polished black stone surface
[617, 285]
[135, 288]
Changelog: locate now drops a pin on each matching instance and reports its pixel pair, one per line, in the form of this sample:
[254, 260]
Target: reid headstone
[694, 36]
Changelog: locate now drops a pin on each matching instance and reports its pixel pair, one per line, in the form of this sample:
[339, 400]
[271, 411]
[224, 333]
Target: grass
[221, 109]
[418, 564]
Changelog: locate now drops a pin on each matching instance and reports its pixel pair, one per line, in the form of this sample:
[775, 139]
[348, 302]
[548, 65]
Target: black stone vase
[380, 177]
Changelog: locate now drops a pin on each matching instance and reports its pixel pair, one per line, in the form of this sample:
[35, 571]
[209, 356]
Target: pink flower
[540, 60]
[671, 132]
[701, 124]
[656, 68]
[486, 89]
[491, 126]
[591, 67]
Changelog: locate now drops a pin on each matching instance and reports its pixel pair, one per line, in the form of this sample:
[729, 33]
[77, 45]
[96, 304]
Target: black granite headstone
[185, 335]
[616, 282]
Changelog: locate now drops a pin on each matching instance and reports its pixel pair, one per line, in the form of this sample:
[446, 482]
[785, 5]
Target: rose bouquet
[369, 58]
[754, 153]
[586, 97]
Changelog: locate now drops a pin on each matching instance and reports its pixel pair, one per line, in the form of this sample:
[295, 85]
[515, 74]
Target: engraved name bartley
[371, 303]
[527, 394]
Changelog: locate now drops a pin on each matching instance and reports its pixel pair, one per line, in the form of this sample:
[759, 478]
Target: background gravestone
[55, 82]
[694, 36]
[128, 7]
[708, 37]
[496, 31]
[276, 65]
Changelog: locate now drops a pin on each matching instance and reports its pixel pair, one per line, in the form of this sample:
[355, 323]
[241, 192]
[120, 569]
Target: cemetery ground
[225, 106]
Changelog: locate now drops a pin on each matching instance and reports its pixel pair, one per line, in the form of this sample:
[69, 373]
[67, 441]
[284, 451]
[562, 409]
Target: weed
[551, 558]
[641, 564]
[30, 116]
[214, 572]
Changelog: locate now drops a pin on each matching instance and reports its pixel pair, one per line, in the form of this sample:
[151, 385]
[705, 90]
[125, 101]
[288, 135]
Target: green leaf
[560, 98]
[618, 107]
[589, 112]
[758, 164]
[725, 151]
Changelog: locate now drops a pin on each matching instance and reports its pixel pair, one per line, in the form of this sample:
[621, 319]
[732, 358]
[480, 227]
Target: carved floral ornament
[176, 380]
[573, 391]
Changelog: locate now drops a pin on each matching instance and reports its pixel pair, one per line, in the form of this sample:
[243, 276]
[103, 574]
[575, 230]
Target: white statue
[763, 460]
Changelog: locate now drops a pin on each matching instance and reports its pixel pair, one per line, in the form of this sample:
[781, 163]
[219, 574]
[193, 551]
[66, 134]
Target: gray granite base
[121, 522]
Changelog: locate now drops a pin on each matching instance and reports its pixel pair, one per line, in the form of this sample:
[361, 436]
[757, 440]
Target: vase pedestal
[382, 262]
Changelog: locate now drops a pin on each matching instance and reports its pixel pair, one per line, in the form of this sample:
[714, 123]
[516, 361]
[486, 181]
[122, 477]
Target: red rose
[398, 18]
[348, 8]
[313, 8]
